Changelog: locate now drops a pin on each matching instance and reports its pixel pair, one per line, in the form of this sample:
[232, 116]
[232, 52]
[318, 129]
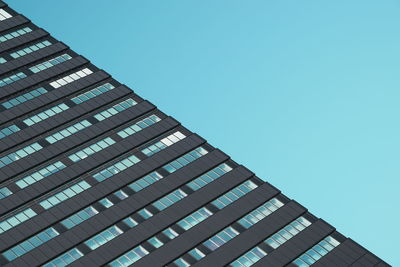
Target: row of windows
[185, 223]
[169, 199]
[138, 126]
[64, 195]
[65, 259]
[103, 237]
[79, 217]
[2, 60]
[9, 130]
[68, 131]
[93, 93]
[45, 114]
[115, 109]
[50, 63]
[5, 192]
[15, 34]
[19, 154]
[163, 143]
[280, 237]
[90, 150]
[16, 219]
[239, 191]
[41, 174]
[71, 77]
[13, 78]
[31, 243]
[316, 252]
[30, 49]
[185, 160]
[4, 14]
[116, 168]
[23, 98]
[260, 213]
[208, 177]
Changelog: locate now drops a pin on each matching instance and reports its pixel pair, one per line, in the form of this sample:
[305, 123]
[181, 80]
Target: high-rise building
[91, 174]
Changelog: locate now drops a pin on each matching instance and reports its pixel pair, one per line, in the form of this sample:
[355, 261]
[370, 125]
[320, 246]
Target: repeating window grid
[31, 243]
[5, 192]
[316, 252]
[221, 238]
[79, 217]
[2, 60]
[116, 168]
[14, 34]
[260, 213]
[24, 98]
[65, 258]
[90, 150]
[209, 176]
[130, 257]
[45, 114]
[249, 258]
[64, 195]
[68, 131]
[115, 109]
[16, 219]
[71, 77]
[4, 14]
[169, 199]
[138, 126]
[19, 154]
[30, 49]
[194, 218]
[185, 160]
[234, 194]
[103, 237]
[92, 93]
[163, 143]
[13, 78]
[41, 174]
[50, 63]
[9, 130]
[145, 181]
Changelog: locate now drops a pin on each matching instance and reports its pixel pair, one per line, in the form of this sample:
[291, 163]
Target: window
[79, 217]
[138, 126]
[4, 14]
[71, 77]
[170, 233]
[130, 257]
[103, 237]
[115, 109]
[90, 150]
[24, 98]
[16, 219]
[316, 252]
[2, 60]
[19, 154]
[221, 238]
[194, 218]
[4, 192]
[9, 130]
[169, 199]
[210, 176]
[155, 242]
[65, 258]
[185, 160]
[234, 194]
[116, 168]
[249, 258]
[30, 49]
[14, 34]
[50, 63]
[65, 194]
[68, 131]
[120, 194]
[92, 93]
[163, 143]
[260, 213]
[33, 242]
[45, 114]
[39, 175]
[145, 181]
[13, 78]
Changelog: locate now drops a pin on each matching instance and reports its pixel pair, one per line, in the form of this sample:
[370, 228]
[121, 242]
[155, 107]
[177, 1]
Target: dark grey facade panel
[14, 200]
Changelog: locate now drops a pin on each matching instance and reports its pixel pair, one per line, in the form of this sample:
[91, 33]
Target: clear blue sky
[304, 93]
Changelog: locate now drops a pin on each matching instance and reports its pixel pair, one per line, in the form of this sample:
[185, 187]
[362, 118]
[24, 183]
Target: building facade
[92, 174]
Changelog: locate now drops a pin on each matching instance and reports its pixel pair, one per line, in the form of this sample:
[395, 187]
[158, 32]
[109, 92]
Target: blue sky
[304, 93]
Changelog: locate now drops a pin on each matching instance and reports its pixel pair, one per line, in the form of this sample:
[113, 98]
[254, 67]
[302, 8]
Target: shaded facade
[92, 174]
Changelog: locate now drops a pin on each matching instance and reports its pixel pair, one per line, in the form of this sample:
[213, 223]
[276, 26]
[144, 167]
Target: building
[92, 174]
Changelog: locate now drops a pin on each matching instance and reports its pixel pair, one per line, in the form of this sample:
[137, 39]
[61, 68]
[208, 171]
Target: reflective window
[30, 49]
[131, 257]
[9, 130]
[24, 98]
[234, 194]
[2, 60]
[163, 143]
[194, 218]
[50, 63]
[16, 219]
[260, 213]
[79, 217]
[70, 78]
[68, 131]
[19, 154]
[45, 114]
[145, 181]
[210, 176]
[92, 93]
[65, 258]
[39, 175]
[115, 109]
[116, 168]
[138, 126]
[169, 199]
[90, 150]
[185, 159]
[4, 14]
[103, 237]
[4, 192]
[14, 34]
[13, 78]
